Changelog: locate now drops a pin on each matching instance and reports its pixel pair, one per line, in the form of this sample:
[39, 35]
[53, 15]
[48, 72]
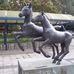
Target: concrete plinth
[44, 66]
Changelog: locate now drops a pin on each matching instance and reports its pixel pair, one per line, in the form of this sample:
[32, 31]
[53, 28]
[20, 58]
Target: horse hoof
[37, 52]
[54, 61]
[48, 56]
[53, 57]
[22, 49]
[58, 63]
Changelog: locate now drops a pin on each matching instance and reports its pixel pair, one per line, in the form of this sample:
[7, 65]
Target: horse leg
[62, 56]
[66, 50]
[53, 52]
[62, 51]
[40, 48]
[33, 43]
[17, 36]
[57, 50]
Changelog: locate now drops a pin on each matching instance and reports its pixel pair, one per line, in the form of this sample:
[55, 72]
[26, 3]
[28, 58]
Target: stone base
[44, 66]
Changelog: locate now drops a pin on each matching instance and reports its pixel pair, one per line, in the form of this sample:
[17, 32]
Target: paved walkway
[9, 59]
[8, 63]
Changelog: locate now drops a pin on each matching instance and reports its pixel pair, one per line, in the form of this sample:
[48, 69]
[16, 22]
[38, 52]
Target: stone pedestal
[44, 66]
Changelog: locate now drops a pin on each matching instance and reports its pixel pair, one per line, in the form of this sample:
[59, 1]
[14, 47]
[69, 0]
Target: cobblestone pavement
[9, 59]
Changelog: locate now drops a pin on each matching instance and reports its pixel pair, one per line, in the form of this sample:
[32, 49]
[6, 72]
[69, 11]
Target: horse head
[39, 17]
[26, 10]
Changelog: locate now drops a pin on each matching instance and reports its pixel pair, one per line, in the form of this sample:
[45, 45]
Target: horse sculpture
[31, 30]
[53, 36]
[60, 28]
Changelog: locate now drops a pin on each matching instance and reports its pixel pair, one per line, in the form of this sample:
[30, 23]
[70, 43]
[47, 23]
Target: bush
[38, 5]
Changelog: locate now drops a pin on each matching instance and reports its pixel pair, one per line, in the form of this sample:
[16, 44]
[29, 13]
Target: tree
[38, 5]
[45, 5]
[3, 5]
[14, 4]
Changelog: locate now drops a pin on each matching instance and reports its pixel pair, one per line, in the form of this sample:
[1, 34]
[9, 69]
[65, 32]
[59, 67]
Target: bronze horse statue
[60, 28]
[29, 29]
[52, 36]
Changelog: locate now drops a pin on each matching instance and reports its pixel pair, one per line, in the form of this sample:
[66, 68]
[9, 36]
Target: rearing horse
[53, 36]
[31, 30]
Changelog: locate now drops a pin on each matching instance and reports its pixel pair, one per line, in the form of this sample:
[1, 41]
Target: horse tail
[68, 38]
